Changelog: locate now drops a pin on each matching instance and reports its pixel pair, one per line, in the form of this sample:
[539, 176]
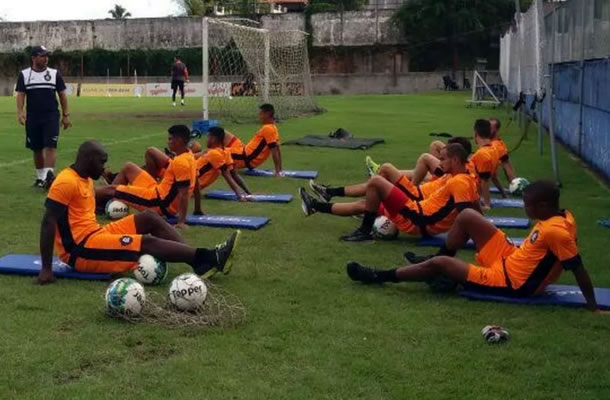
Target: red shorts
[395, 201]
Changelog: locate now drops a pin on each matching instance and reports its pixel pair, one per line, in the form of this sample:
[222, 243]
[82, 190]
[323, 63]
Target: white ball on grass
[125, 296]
[385, 229]
[187, 292]
[150, 270]
[116, 209]
[517, 186]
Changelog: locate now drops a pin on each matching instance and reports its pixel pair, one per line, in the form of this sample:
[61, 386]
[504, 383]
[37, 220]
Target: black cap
[39, 51]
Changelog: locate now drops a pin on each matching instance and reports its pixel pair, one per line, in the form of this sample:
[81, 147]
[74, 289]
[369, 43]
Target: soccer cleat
[357, 236]
[224, 255]
[320, 191]
[371, 166]
[360, 273]
[307, 202]
[38, 183]
[49, 180]
[415, 259]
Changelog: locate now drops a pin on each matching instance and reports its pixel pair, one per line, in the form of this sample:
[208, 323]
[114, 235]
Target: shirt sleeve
[564, 247]
[270, 135]
[218, 158]
[20, 83]
[60, 85]
[462, 192]
[182, 172]
[483, 166]
[60, 195]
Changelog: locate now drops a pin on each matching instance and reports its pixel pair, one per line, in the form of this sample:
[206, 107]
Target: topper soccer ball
[150, 270]
[383, 228]
[125, 296]
[187, 292]
[116, 209]
[494, 334]
[517, 186]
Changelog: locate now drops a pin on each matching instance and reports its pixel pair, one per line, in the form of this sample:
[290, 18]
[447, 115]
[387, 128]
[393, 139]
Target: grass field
[310, 332]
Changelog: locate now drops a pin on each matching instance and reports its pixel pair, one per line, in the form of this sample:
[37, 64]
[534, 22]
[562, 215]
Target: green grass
[310, 332]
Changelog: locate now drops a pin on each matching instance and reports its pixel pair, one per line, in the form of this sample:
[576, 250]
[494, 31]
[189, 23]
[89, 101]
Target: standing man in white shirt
[41, 85]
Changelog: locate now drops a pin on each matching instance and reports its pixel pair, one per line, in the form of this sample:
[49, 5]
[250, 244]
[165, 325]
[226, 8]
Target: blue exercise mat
[507, 203]
[439, 240]
[267, 198]
[225, 221]
[287, 174]
[604, 222]
[29, 265]
[509, 222]
[494, 189]
[559, 295]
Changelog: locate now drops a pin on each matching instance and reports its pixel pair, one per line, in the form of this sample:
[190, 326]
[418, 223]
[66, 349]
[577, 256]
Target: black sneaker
[360, 273]
[49, 180]
[320, 191]
[38, 183]
[306, 202]
[109, 176]
[224, 256]
[357, 236]
[413, 258]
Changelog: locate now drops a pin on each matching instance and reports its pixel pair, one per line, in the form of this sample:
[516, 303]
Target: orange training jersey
[436, 213]
[551, 245]
[432, 186]
[210, 165]
[258, 149]
[180, 173]
[501, 149]
[73, 199]
[485, 161]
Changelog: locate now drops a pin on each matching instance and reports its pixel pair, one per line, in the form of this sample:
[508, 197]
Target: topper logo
[187, 292]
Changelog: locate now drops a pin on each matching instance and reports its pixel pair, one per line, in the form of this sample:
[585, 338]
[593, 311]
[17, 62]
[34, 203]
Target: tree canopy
[119, 12]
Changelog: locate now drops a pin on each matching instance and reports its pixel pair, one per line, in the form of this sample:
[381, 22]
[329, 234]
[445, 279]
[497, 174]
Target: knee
[376, 181]
[385, 169]
[149, 151]
[466, 216]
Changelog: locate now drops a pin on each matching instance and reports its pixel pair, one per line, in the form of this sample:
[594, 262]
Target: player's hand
[485, 208]
[65, 122]
[279, 174]
[45, 277]
[21, 118]
[181, 225]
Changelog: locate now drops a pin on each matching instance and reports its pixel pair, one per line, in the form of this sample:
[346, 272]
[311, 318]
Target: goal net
[245, 66]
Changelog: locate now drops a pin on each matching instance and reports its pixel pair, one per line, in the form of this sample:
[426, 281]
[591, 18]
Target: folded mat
[288, 174]
[439, 240]
[510, 222]
[507, 203]
[29, 265]
[560, 295]
[325, 141]
[267, 198]
[224, 221]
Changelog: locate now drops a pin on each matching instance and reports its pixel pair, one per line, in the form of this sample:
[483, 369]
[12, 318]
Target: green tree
[196, 8]
[436, 29]
[119, 12]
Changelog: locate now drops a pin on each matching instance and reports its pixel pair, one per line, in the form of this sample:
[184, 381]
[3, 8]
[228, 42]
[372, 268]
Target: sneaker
[360, 273]
[224, 255]
[357, 236]
[109, 176]
[38, 183]
[306, 202]
[49, 180]
[320, 191]
[371, 166]
[413, 258]
[182, 102]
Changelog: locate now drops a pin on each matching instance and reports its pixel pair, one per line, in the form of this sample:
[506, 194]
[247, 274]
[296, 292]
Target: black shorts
[42, 131]
[176, 84]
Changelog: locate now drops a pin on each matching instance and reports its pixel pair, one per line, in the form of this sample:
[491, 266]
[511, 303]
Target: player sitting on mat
[503, 269]
[266, 142]
[213, 163]
[69, 222]
[138, 189]
[433, 215]
[501, 149]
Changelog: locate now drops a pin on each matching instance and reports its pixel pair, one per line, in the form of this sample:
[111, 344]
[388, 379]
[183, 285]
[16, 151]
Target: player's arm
[183, 205]
[277, 158]
[496, 182]
[20, 99]
[233, 185]
[197, 199]
[509, 171]
[585, 285]
[47, 239]
[484, 192]
[63, 100]
[239, 180]
[186, 74]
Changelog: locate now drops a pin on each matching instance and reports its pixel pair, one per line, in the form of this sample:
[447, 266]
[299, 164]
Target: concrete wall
[284, 22]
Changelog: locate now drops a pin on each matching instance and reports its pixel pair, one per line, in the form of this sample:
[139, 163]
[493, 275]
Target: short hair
[456, 150]
[465, 142]
[483, 128]
[180, 131]
[177, 57]
[217, 132]
[268, 108]
[543, 191]
[497, 121]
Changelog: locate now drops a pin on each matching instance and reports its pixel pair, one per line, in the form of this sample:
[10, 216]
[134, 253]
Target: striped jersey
[40, 89]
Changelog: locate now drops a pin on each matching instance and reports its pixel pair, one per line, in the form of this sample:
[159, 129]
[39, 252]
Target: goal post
[245, 66]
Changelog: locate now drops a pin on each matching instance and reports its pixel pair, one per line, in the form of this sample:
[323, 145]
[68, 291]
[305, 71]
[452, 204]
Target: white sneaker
[182, 102]
[174, 104]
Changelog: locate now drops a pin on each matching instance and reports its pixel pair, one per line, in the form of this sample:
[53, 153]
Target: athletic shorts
[491, 276]
[42, 131]
[409, 188]
[177, 84]
[141, 194]
[114, 249]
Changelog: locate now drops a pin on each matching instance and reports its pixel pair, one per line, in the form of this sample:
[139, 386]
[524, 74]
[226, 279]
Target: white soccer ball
[517, 186]
[116, 209]
[383, 228]
[125, 296]
[187, 292]
[150, 270]
[230, 97]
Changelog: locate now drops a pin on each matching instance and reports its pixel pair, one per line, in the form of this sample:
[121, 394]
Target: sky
[51, 10]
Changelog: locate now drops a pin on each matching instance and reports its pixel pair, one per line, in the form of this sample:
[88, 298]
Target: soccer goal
[245, 66]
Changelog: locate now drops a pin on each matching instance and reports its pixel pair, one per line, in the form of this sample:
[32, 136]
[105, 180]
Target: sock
[40, 174]
[339, 191]
[368, 221]
[326, 208]
[439, 172]
[46, 171]
[388, 275]
[205, 256]
[444, 251]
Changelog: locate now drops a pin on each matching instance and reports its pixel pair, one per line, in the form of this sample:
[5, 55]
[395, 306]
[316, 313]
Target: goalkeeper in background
[180, 74]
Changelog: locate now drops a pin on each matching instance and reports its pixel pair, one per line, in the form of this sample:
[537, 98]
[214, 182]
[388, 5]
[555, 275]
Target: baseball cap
[39, 51]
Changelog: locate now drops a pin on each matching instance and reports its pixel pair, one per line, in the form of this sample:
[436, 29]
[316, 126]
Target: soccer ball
[125, 296]
[187, 292]
[494, 334]
[517, 186]
[116, 209]
[150, 270]
[383, 228]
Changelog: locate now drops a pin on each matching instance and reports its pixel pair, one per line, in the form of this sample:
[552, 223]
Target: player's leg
[436, 147]
[426, 163]
[49, 152]
[312, 205]
[326, 193]
[155, 161]
[181, 86]
[34, 141]
[128, 174]
[174, 90]
[149, 222]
